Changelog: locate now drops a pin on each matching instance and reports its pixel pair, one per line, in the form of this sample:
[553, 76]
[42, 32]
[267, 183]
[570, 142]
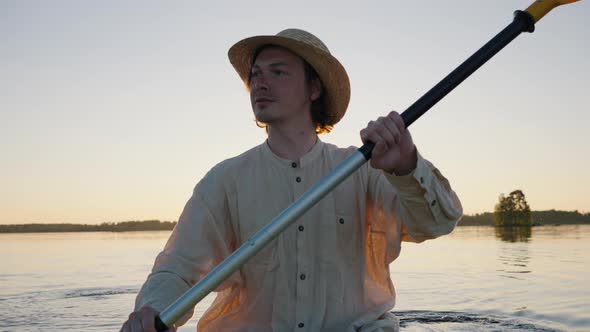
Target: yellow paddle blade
[541, 7]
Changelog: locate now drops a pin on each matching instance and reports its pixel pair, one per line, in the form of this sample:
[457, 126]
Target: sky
[114, 110]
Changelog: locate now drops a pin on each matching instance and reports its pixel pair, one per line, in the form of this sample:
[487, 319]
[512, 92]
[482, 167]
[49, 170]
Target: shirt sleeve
[428, 207]
[202, 238]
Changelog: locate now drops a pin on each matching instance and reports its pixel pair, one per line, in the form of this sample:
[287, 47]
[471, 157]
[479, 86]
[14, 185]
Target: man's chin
[262, 116]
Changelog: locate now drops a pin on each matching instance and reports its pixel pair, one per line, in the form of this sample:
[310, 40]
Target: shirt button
[341, 221]
[433, 203]
[300, 228]
[294, 165]
[298, 179]
[422, 179]
[302, 276]
[301, 325]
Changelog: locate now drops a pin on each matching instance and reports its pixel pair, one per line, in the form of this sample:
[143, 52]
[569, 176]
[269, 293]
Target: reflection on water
[514, 258]
[513, 233]
[514, 261]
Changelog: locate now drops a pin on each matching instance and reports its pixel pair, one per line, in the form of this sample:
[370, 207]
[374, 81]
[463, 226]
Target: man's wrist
[407, 165]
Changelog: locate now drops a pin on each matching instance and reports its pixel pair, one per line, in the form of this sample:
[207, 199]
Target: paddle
[524, 21]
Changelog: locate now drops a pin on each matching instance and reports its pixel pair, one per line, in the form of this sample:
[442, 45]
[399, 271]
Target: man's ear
[316, 89]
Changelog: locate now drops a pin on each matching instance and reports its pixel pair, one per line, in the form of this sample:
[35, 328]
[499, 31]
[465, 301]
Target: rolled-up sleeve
[202, 238]
[429, 206]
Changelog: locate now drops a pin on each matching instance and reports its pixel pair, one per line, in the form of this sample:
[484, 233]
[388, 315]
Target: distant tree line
[553, 217]
[548, 217]
[478, 219]
[124, 226]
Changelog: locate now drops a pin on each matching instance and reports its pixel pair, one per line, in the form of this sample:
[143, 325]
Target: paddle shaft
[522, 22]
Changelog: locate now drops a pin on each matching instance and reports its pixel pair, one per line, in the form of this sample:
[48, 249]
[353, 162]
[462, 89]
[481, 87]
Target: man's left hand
[394, 150]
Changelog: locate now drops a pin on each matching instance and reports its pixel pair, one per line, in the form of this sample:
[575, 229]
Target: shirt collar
[305, 160]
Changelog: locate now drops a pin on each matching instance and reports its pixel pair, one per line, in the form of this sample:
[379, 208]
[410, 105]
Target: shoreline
[161, 230]
[541, 218]
[119, 227]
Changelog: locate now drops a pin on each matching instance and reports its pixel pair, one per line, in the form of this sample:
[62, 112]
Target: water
[472, 280]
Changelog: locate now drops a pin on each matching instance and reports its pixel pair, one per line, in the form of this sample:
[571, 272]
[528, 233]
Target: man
[330, 270]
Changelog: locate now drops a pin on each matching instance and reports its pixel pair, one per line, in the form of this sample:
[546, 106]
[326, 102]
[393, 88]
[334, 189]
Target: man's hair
[322, 120]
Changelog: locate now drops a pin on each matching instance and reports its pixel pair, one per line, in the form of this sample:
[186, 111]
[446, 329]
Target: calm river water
[475, 279]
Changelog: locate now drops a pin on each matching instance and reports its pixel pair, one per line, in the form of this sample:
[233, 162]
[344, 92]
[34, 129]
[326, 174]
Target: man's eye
[279, 72]
[254, 74]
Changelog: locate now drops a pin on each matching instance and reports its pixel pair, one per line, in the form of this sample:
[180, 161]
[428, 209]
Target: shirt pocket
[339, 238]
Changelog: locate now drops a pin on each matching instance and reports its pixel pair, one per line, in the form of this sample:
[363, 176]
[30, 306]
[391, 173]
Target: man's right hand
[143, 320]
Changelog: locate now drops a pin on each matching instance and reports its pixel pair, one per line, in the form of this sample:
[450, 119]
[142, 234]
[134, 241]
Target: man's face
[278, 89]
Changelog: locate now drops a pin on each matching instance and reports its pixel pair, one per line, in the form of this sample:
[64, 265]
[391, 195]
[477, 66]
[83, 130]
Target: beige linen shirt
[329, 271]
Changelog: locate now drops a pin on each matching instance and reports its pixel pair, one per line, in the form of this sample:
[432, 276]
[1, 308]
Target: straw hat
[311, 49]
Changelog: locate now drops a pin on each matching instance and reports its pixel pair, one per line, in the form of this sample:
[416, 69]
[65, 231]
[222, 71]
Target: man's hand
[143, 320]
[394, 150]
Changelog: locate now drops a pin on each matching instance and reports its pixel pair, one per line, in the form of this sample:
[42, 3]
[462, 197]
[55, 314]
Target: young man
[330, 270]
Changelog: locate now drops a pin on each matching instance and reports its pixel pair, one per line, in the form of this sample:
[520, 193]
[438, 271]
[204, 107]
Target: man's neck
[292, 143]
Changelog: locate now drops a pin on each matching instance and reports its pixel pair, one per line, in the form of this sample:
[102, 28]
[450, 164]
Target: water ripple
[90, 292]
[462, 321]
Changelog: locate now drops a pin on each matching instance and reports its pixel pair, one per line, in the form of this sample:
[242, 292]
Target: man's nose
[259, 82]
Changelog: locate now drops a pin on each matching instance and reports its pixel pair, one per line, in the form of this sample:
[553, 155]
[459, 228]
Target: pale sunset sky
[114, 110]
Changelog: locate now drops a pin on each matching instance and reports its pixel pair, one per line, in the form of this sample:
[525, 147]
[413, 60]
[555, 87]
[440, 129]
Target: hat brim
[332, 74]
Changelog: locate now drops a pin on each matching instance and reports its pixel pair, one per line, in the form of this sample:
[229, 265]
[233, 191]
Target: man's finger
[394, 131]
[398, 121]
[136, 324]
[125, 327]
[380, 127]
[148, 318]
[370, 135]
